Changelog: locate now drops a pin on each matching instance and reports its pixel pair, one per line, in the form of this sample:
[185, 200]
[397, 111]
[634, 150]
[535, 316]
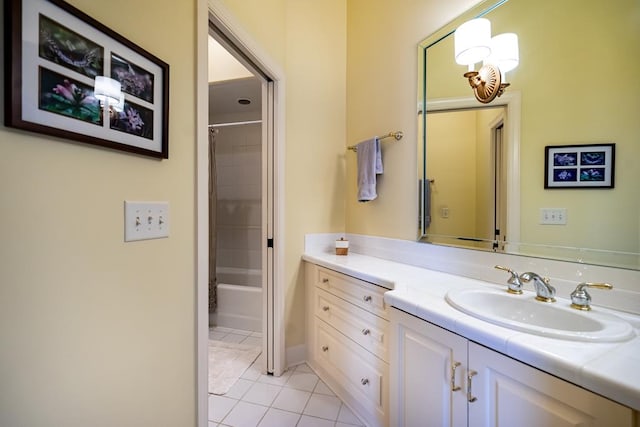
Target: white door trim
[214, 10]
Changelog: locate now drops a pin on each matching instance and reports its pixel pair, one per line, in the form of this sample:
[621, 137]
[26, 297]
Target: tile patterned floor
[298, 398]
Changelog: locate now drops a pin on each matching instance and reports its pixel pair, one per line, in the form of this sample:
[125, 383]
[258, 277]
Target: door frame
[273, 302]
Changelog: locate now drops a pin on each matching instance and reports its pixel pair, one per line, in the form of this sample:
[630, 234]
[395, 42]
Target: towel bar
[397, 135]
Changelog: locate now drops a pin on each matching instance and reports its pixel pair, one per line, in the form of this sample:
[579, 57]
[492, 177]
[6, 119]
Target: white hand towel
[369, 165]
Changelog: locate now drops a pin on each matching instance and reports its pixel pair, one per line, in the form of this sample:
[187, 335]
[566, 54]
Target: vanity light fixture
[473, 43]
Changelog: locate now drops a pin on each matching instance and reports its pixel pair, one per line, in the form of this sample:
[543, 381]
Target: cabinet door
[422, 358]
[510, 393]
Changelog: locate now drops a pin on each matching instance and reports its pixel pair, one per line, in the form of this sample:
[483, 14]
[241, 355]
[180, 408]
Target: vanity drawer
[365, 328]
[363, 294]
[363, 375]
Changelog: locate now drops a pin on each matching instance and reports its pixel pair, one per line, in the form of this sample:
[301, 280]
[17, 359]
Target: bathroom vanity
[382, 335]
[445, 378]
[348, 332]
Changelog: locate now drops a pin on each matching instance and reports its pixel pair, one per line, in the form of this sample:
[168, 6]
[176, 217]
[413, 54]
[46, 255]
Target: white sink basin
[524, 313]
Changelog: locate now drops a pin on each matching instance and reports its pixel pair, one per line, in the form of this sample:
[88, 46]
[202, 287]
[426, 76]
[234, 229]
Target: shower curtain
[212, 220]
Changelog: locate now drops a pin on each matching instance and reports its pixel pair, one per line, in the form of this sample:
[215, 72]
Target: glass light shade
[472, 41]
[504, 52]
[119, 107]
[107, 89]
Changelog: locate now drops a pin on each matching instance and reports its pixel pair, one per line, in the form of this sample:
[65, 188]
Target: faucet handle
[580, 298]
[515, 284]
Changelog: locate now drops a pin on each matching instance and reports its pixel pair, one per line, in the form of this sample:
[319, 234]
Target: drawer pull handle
[366, 332]
[454, 366]
[367, 298]
[325, 348]
[470, 397]
[325, 308]
[364, 381]
[325, 280]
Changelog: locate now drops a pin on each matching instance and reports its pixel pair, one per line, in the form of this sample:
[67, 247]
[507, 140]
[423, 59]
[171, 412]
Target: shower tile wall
[238, 163]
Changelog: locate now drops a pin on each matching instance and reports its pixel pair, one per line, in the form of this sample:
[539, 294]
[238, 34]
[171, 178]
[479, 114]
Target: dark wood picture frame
[579, 166]
[53, 52]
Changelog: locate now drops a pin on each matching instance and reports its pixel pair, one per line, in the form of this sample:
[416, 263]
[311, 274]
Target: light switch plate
[145, 220]
[553, 216]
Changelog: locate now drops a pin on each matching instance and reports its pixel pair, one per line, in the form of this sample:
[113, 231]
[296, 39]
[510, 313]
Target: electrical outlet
[145, 220]
[553, 216]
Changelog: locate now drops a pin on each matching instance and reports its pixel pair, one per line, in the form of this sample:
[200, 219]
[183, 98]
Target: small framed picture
[579, 166]
[71, 77]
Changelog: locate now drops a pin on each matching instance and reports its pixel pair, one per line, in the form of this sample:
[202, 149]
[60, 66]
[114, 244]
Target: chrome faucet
[515, 284]
[544, 291]
[581, 300]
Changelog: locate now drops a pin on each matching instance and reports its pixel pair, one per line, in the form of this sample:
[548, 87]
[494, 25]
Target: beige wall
[308, 40]
[382, 80]
[452, 189]
[96, 331]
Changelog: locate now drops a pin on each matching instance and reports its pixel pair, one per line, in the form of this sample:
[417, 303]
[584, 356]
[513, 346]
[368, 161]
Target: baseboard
[295, 355]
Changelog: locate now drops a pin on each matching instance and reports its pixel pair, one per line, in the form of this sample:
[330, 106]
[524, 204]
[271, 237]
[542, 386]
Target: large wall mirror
[482, 166]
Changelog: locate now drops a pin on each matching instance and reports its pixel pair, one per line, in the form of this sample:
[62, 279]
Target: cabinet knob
[325, 308]
[325, 348]
[325, 280]
[470, 397]
[454, 366]
[366, 331]
[364, 381]
[367, 298]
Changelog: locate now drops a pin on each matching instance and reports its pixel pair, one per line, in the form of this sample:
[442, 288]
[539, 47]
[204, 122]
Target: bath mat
[227, 362]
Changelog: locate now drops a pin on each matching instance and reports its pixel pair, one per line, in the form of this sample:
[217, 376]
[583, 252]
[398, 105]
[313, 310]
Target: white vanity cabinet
[441, 379]
[347, 340]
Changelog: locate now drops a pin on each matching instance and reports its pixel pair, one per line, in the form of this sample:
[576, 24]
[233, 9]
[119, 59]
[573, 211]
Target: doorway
[241, 201]
[464, 153]
[494, 199]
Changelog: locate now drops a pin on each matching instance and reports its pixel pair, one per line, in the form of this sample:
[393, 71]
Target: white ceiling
[230, 81]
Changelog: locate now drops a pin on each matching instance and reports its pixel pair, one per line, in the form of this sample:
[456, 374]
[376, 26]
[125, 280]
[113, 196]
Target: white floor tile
[323, 406]
[292, 400]
[239, 388]
[296, 398]
[321, 388]
[302, 381]
[252, 341]
[262, 394]
[271, 379]
[220, 329]
[245, 414]
[214, 335]
[346, 416]
[235, 338]
[219, 407]
[252, 373]
[303, 367]
[277, 418]
[307, 421]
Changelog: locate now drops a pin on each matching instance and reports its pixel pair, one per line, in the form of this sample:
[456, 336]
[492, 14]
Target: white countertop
[609, 369]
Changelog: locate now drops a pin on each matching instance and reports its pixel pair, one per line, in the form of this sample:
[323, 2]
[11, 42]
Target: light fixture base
[486, 83]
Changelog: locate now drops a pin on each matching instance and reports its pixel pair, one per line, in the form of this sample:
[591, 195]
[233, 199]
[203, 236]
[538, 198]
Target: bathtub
[239, 300]
[239, 276]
